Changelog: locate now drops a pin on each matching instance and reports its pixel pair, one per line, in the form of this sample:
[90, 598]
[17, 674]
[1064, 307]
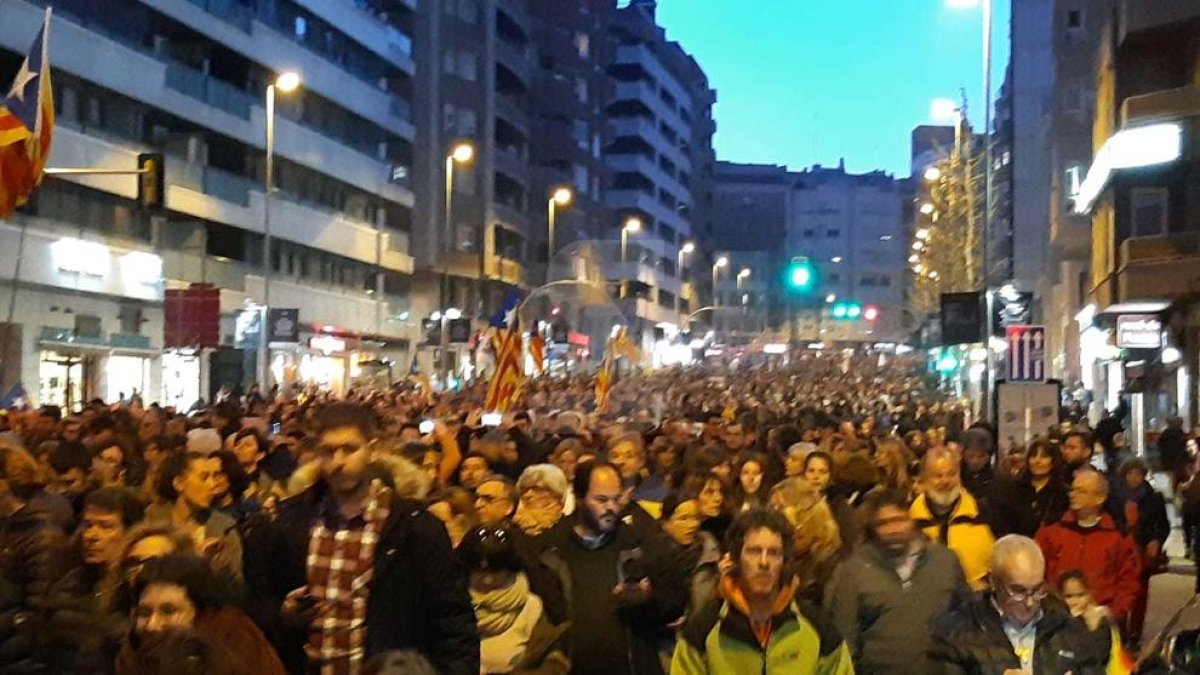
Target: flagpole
[10, 315]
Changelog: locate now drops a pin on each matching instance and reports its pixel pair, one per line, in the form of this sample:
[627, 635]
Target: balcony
[645, 273]
[1165, 266]
[1161, 106]
[1142, 15]
[516, 10]
[212, 91]
[515, 58]
[648, 310]
[353, 311]
[647, 128]
[508, 108]
[515, 218]
[512, 162]
[505, 270]
[228, 10]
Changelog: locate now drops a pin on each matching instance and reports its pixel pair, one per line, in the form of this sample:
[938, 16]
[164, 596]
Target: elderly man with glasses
[1017, 627]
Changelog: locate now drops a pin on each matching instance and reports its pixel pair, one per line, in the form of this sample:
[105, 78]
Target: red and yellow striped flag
[505, 387]
[537, 351]
[26, 125]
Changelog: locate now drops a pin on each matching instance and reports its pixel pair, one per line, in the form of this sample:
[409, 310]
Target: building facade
[661, 160]
[171, 76]
[1140, 329]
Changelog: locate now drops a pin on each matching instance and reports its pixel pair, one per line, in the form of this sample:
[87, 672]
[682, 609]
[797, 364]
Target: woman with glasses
[516, 635]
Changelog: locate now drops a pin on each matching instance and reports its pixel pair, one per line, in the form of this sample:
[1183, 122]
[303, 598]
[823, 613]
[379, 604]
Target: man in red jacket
[1088, 540]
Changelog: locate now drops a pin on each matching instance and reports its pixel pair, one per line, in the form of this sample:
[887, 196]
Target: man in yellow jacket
[948, 514]
[758, 625]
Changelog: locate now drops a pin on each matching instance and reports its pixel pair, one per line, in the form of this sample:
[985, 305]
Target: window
[449, 62]
[449, 119]
[833, 278]
[468, 123]
[582, 44]
[809, 234]
[467, 68]
[1148, 211]
[467, 10]
[867, 281]
[300, 27]
[581, 179]
[885, 281]
[833, 233]
[1075, 19]
[581, 89]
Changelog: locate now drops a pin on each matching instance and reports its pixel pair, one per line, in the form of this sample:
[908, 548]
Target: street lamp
[687, 247]
[460, 153]
[927, 208]
[745, 272]
[561, 196]
[286, 82]
[943, 110]
[632, 224]
[932, 174]
[717, 265]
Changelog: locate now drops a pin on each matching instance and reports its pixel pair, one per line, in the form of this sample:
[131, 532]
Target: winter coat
[971, 641]
[966, 532]
[32, 557]
[886, 622]
[1016, 507]
[1109, 559]
[664, 565]
[1150, 512]
[229, 629]
[720, 641]
[418, 596]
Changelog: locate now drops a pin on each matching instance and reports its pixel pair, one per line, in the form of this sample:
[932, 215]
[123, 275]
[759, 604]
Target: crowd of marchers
[837, 516]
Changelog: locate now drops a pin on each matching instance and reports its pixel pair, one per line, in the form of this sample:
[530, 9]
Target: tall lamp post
[632, 224]
[716, 268]
[460, 153]
[560, 197]
[286, 82]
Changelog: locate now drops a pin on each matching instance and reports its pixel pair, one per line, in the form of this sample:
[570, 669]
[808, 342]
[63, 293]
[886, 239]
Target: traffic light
[151, 192]
[870, 312]
[847, 310]
[801, 276]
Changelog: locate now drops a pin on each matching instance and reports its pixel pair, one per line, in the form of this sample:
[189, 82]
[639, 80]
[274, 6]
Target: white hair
[1013, 547]
[544, 476]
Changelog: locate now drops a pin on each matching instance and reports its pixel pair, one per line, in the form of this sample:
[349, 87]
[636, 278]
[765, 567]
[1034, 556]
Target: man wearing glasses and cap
[1017, 627]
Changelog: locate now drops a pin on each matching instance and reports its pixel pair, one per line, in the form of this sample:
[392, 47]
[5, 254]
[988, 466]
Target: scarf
[496, 611]
[732, 592]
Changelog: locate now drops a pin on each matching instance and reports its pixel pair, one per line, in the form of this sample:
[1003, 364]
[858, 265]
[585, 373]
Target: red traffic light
[870, 312]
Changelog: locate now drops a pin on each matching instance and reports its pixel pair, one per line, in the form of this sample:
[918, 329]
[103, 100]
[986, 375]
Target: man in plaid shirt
[345, 572]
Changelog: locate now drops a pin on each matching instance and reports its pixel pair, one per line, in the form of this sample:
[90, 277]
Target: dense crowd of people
[834, 517]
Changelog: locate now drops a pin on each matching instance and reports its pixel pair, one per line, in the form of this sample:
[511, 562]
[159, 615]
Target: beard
[945, 498]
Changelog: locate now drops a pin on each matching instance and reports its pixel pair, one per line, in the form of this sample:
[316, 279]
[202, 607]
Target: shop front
[69, 375]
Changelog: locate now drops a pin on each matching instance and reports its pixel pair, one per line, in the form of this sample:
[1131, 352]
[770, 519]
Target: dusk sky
[801, 82]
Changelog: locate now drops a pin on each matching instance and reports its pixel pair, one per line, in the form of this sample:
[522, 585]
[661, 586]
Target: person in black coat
[1038, 497]
[1143, 512]
[417, 596]
[974, 639]
[1173, 451]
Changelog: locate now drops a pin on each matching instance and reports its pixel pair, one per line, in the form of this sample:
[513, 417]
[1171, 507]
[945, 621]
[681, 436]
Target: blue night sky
[801, 82]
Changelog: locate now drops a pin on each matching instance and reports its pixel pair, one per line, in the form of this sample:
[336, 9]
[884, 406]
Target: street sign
[1026, 353]
[1139, 331]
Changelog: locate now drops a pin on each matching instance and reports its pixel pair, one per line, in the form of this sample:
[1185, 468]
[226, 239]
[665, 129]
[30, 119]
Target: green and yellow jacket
[721, 640]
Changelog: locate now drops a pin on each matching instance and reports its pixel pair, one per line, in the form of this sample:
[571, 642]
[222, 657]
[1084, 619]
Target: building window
[581, 89]
[300, 27]
[885, 281]
[449, 119]
[583, 44]
[449, 62]
[467, 68]
[809, 234]
[833, 278]
[467, 10]
[833, 234]
[1075, 19]
[1148, 211]
[467, 122]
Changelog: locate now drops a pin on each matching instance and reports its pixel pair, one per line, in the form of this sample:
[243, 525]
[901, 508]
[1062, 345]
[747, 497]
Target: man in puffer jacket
[1017, 626]
[757, 625]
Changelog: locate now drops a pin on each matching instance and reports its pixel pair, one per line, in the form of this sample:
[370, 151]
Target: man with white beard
[947, 513]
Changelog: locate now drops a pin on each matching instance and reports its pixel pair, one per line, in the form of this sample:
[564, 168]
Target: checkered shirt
[341, 554]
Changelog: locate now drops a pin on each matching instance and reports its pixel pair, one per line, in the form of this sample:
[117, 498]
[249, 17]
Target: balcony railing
[234, 12]
[205, 88]
[1168, 104]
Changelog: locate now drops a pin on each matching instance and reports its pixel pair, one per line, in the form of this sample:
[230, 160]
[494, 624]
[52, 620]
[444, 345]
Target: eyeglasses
[1023, 595]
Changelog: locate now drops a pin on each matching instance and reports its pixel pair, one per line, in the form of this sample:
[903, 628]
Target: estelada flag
[505, 387]
[26, 125]
[537, 351]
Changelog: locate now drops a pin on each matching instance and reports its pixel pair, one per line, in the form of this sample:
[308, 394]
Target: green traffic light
[854, 311]
[800, 275]
[840, 310]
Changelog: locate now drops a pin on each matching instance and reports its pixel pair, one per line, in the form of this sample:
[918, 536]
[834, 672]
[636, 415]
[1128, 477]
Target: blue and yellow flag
[26, 125]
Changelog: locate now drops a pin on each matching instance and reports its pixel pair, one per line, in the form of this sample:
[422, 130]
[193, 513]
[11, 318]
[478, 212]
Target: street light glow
[932, 174]
[688, 247]
[943, 110]
[927, 208]
[917, 246]
[633, 224]
[922, 233]
[836, 259]
[830, 299]
[914, 258]
[744, 273]
[463, 153]
[287, 81]
[721, 262]
[562, 196]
